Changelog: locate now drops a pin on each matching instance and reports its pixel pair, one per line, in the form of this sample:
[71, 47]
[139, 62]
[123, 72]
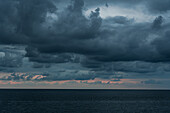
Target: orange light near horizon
[103, 81]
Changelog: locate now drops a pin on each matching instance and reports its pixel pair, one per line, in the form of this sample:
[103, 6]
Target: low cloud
[150, 82]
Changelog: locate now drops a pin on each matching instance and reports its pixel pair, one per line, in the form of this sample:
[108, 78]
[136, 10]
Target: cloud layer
[38, 35]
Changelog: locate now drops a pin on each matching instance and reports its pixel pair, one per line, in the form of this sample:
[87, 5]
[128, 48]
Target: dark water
[84, 101]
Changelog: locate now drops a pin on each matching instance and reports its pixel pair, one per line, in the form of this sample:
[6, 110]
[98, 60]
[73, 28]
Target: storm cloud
[53, 32]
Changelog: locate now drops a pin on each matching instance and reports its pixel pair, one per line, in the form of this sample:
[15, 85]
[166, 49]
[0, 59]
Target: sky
[85, 44]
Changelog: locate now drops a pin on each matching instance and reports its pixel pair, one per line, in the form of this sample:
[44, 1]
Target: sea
[84, 101]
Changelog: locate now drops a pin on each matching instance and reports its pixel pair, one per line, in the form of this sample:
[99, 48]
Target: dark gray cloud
[158, 6]
[53, 33]
[35, 56]
[10, 59]
[138, 67]
[150, 82]
[41, 65]
[19, 19]
[71, 32]
[91, 63]
[155, 6]
[118, 20]
[157, 22]
[162, 44]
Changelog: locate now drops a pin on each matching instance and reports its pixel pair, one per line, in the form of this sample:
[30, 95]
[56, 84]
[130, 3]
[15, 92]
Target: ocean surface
[84, 101]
